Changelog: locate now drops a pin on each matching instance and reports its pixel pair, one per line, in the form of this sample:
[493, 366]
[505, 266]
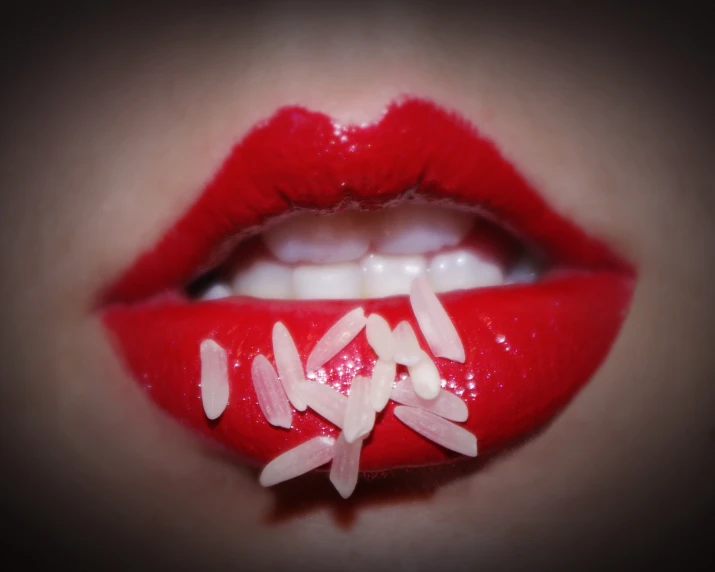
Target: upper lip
[303, 159]
[529, 348]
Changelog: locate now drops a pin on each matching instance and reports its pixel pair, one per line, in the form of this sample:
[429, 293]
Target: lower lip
[529, 349]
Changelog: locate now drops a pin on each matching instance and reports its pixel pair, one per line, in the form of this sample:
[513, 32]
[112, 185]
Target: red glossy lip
[529, 347]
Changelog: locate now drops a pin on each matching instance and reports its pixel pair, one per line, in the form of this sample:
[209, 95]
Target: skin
[109, 137]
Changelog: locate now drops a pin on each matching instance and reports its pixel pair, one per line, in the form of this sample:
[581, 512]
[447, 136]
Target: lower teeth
[376, 276]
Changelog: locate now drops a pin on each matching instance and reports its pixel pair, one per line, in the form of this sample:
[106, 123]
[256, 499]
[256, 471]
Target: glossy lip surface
[529, 347]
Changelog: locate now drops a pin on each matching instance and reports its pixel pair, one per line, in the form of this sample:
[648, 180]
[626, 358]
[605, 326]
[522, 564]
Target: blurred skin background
[111, 122]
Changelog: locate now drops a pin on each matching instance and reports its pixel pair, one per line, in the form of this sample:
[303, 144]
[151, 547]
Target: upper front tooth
[264, 279]
[462, 269]
[327, 281]
[416, 229]
[318, 238]
[390, 275]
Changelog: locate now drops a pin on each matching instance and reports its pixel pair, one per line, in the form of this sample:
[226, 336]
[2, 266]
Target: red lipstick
[529, 348]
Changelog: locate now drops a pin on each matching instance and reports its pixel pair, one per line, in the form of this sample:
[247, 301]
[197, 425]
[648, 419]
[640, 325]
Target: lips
[529, 348]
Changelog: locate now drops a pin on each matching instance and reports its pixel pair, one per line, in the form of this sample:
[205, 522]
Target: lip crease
[529, 347]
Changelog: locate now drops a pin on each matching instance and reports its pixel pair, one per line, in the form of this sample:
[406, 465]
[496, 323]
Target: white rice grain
[439, 430]
[345, 467]
[447, 405]
[407, 348]
[325, 401]
[272, 398]
[379, 336]
[381, 382]
[214, 378]
[288, 364]
[435, 323]
[425, 378]
[359, 414]
[336, 338]
[298, 461]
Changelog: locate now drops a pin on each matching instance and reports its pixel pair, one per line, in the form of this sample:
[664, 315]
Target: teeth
[376, 276]
[414, 229]
[353, 255]
[524, 271]
[327, 281]
[216, 292]
[265, 279]
[319, 238]
[390, 275]
[462, 269]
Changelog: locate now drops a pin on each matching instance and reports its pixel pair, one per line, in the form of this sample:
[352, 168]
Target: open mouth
[374, 297]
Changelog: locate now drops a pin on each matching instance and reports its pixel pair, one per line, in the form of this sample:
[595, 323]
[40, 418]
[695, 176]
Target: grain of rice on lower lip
[436, 325]
[359, 414]
[345, 467]
[325, 401]
[298, 461]
[439, 430]
[271, 396]
[379, 336]
[214, 378]
[381, 382]
[336, 338]
[288, 364]
[425, 377]
[407, 348]
[447, 405]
